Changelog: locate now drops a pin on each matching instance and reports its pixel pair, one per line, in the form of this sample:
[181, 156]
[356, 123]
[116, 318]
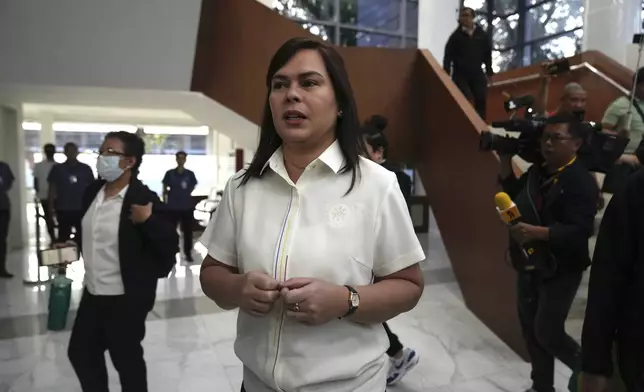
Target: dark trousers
[184, 220]
[115, 324]
[474, 86]
[543, 308]
[394, 343]
[49, 221]
[67, 220]
[5, 217]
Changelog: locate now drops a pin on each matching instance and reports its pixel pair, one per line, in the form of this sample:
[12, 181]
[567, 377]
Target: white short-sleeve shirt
[314, 229]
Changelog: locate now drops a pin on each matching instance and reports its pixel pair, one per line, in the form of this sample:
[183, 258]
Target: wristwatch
[354, 301]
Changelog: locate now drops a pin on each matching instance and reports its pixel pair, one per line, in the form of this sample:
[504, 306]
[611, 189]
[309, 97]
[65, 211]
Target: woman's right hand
[259, 292]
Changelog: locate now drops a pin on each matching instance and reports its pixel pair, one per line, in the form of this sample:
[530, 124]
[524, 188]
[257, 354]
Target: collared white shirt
[101, 245]
[314, 229]
[41, 173]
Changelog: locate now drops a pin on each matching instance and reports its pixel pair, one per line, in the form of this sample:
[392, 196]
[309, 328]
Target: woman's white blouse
[314, 229]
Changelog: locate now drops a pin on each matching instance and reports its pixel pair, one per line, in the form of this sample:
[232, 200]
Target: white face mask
[108, 168]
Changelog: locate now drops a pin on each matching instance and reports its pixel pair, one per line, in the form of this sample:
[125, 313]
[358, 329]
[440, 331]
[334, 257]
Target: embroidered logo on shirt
[338, 215]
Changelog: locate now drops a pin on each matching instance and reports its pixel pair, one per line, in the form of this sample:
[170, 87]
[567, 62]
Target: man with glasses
[126, 248]
[557, 199]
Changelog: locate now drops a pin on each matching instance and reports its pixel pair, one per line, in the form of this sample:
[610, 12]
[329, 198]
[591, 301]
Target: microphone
[510, 215]
[506, 208]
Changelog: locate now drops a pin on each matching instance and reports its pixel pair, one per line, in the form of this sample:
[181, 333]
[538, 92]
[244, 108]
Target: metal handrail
[572, 68]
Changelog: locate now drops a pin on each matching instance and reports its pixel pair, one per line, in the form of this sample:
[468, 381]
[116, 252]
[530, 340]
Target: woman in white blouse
[312, 242]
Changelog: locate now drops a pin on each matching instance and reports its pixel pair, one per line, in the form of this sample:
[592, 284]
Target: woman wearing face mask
[313, 243]
[126, 247]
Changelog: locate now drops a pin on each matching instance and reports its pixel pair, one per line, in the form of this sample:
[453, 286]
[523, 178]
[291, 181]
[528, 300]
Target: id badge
[73, 179]
[184, 184]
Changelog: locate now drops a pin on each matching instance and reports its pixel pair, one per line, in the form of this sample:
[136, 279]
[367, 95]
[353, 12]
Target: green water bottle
[60, 294]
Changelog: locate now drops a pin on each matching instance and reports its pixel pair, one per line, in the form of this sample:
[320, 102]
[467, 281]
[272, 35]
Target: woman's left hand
[313, 301]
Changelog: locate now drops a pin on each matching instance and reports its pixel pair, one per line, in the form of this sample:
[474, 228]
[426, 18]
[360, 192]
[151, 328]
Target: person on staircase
[467, 50]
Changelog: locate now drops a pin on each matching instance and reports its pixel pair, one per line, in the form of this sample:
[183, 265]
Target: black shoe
[189, 258]
[5, 275]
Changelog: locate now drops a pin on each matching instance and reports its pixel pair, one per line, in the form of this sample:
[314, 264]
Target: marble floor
[189, 342]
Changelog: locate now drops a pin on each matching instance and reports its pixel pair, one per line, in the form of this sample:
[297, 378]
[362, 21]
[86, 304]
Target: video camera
[598, 153]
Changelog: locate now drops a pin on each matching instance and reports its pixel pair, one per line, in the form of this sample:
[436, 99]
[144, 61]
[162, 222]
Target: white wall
[437, 20]
[106, 43]
[609, 26]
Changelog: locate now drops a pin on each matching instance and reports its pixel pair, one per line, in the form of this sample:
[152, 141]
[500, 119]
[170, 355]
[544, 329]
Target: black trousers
[49, 221]
[543, 308]
[115, 324]
[5, 217]
[474, 86]
[67, 220]
[394, 343]
[184, 220]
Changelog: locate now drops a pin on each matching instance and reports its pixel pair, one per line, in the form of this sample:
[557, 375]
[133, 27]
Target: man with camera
[557, 198]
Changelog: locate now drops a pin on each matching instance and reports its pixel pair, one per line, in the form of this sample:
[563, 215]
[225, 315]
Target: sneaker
[399, 367]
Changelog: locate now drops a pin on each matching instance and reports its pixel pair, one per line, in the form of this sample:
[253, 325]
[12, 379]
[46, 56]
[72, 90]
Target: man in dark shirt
[178, 184]
[558, 202]
[615, 309]
[67, 183]
[467, 49]
[6, 181]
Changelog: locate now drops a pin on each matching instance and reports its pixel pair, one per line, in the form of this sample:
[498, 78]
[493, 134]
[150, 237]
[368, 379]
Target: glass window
[351, 37]
[562, 46]
[505, 60]
[198, 144]
[411, 43]
[94, 140]
[411, 18]
[69, 137]
[476, 5]
[505, 32]
[32, 140]
[481, 20]
[505, 7]
[553, 18]
[372, 14]
[306, 9]
[322, 31]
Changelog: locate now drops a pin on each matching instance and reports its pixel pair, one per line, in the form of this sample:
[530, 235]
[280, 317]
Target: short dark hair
[70, 145]
[347, 125]
[133, 146]
[181, 154]
[468, 9]
[373, 132]
[49, 150]
[576, 127]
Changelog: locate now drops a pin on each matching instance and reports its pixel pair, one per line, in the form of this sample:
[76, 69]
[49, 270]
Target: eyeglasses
[111, 152]
[555, 137]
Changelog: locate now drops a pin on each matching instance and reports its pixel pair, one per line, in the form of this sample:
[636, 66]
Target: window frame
[523, 46]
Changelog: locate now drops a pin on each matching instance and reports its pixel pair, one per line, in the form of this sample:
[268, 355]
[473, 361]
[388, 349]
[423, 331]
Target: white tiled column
[437, 20]
[12, 147]
[609, 26]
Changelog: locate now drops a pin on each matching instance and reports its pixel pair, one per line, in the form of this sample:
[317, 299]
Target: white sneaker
[399, 367]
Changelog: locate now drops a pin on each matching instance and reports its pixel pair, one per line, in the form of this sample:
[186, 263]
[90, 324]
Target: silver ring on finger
[296, 307]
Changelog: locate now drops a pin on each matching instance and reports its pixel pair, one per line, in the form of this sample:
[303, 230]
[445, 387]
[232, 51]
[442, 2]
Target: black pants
[5, 217]
[49, 221]
[543, 309]
[394, 343]
[115, 324]
[67, 220]
[184, 219]
[474, 86]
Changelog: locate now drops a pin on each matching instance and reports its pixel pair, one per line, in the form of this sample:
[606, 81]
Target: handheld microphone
[510, 215]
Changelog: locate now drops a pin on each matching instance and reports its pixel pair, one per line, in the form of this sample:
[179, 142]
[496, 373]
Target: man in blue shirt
[67, 183]
[178, 185]
[6, 181]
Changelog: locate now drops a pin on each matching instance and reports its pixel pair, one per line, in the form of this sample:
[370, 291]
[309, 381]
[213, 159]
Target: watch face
[355, 300]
